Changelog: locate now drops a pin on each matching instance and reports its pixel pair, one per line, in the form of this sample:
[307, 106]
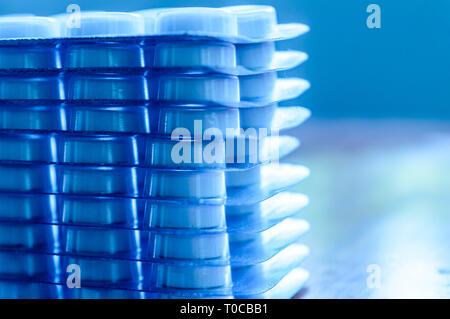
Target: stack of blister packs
[139, 155]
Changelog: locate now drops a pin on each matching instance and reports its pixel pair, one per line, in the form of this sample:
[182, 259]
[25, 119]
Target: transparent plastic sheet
[141, 119]
[247, 91]
[272, 179]
[285, 289]
[264, 214]
[151, 39]
[103, 90]
[158, 279]
[161, 245]
[254, 247]
[148, 214]
[168, 56]
[261, 182]
[200, 247]
[238, 24]
[141, 150]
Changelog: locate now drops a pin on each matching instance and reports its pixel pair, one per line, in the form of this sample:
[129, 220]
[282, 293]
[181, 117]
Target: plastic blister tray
[106, 87]
[28, 57]
[103, 160]
[28, 87]
[33, 117]
[213, 89]
[108, 118]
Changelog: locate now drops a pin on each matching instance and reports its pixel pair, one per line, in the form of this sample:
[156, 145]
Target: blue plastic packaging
[260, 86]
[26, 87]
[255, 55]
[191, 277]
[184, 153]
[28, 27]
[275, 178]
[28, 207]
[179, 216]
[106, 87]
[191, 185]
[87, 159]
[100, 24]
[34, 117]
[195, 120]
[25, 147]
[198, 20]
[28, 57]
[277, 89]
[10, 289]
[259, 279]
[100, 211]
[190, 55]
[258, 23]
[252, 247]
[99, 180]
[99, 149]
[189, 247]
[28, 178]
[108, 118]
[265, 214]
[89, 241]
[26, 236]
[17, 265]
[216, 89]
[95, 55]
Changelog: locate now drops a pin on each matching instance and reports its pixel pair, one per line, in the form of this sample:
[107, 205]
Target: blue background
[400, 70]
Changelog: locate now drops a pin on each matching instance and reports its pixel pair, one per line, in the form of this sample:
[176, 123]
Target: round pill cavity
[28, 178]
[195, 54]
[149, 16]
[100, 149]
[28, 27]
[27, 236]
[186, 184]
[181, 153]
[106, 242]
[28, 207]
[102, 55]
[27, 266]
[121, 119]
[99, 180]
[217, 89]
[255, 55]
[178, 216]
[32, 117]
[243, 177]
[258, 86]
[257, 117]
[205, 246]
[197, 121]
[254, 21]
[106, 87]
[28, 147]
[108, 272]
[191, 277]
[86, 210]
[31, 88]
[101, 24]
[196, 21]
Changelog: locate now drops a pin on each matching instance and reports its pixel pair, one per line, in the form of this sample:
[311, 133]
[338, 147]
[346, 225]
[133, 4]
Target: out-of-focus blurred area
[378, 143]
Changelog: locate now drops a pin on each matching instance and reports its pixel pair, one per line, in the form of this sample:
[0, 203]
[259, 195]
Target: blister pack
[139, 155]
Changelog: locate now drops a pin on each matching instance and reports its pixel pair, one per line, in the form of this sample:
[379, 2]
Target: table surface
[380, 208]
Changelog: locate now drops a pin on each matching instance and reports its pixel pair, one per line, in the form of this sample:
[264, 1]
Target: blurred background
[378, 143]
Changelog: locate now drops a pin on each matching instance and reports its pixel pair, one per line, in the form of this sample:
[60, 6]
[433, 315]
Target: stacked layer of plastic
[126, 163]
